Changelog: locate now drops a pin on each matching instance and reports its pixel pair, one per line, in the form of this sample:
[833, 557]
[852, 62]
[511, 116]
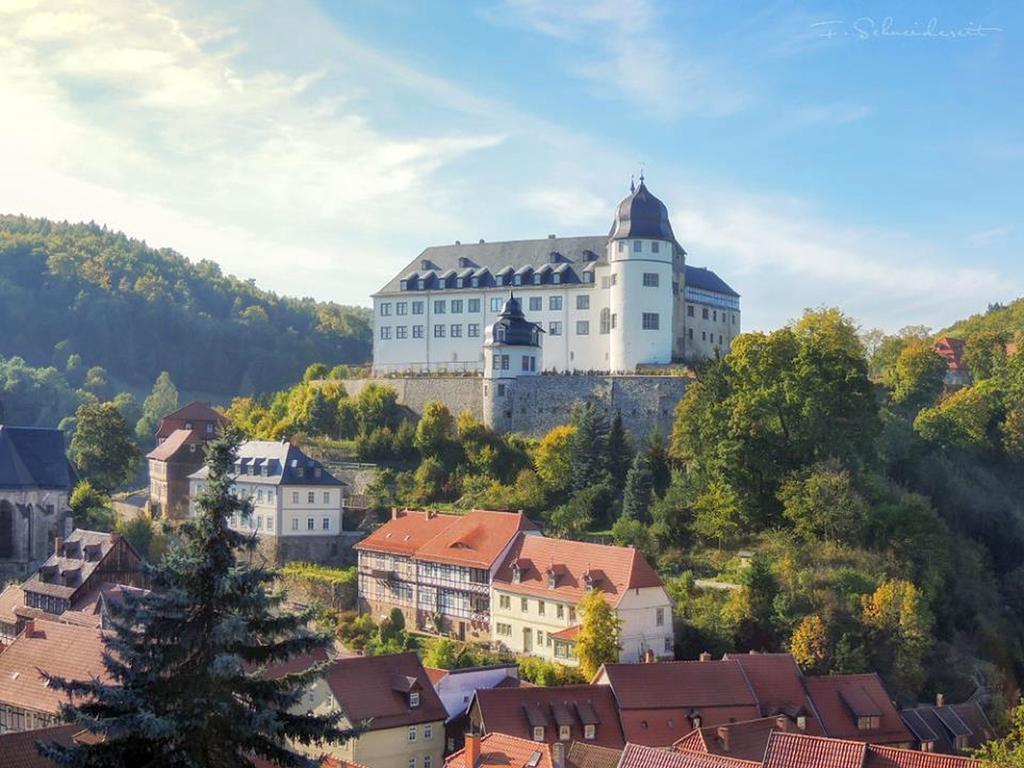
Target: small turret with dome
[641, 214]
[512, 348]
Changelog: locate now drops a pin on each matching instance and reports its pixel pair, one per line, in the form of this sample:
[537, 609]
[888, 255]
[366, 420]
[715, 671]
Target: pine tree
[620, 453]
[639, 491]
[186, 660]
[657, 457]
[587, 457]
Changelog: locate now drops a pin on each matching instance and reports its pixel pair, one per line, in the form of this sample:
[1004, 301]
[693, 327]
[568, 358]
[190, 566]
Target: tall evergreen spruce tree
[587, 447]
[639, 492]
[186, 660]
[620, 453]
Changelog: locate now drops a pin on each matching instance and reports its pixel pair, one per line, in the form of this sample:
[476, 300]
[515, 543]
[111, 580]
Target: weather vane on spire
[641, 171]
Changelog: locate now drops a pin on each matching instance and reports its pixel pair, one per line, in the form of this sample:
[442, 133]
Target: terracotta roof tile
[500, 749]
[476, 539]
[639, 756]
[679, 684]
[778, 686]
[436, 675]
[405, 533]
[790, 750]
[582, 754]
[510, 710]
[613, 569]
[63, 650]
[365, 689]
[836, 697]
[890, 757]
[172, 443]
[746, 739]
[19, 749]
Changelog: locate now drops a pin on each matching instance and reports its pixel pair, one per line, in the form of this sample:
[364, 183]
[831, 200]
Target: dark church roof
[34, 457]
[512, 327]
[641, 214]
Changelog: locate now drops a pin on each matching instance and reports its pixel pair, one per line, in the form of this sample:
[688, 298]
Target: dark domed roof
[642, 215]
[512, 327]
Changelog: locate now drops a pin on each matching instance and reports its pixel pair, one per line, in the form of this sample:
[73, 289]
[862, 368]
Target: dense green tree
[97, 383]
[657, 459]
[588, 462]
[917, 378]
[639, 490]
[985, 353]
[1006, 751]
[719, 514]
[162, 400]
[322, 413]
[620, 454]
[967, 418]
[186, 661]
[553, 460]
[809, 645]
[822, 502]
[435, 433]
[582, 511]
[91, 508]
[899, 625]
[102, 447]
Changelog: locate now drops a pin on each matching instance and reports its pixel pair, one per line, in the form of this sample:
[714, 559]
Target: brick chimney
[30, 627]
[704, 656]
[723, 736]
[940, 700]
[58, 546]
[472, 752]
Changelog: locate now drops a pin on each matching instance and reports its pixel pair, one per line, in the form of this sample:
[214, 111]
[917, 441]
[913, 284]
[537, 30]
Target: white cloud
[987, 236]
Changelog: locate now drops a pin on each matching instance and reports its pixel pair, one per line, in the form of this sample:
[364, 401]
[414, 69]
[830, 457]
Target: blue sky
[865, 155]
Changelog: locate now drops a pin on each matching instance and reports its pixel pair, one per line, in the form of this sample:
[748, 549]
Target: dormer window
[517, 573]
[552, 580]
[476, 282]
[588, 581]
[299, 471]
[414, 699]
[589, 732]
[188, 425]
[537, 278]
[695, 720]
[564, 733]
[869, 723]
[801, 722]
[538, 733]
[403, 285]
[422, 284]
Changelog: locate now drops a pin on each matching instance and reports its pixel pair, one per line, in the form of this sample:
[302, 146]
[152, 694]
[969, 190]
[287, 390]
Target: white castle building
[605, 303]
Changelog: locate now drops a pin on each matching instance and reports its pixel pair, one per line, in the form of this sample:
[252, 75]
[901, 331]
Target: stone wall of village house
[543, 402]
[37, 518]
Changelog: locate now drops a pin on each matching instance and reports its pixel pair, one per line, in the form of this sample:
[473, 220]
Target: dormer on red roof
[778, 686]
[856, 707]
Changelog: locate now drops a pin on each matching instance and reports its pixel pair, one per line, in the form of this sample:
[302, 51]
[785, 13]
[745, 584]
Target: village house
[857, 707]
[293, 496]
[948, 728]
[559, 714]
[27, 702]
[437, 569]
[36, 480]
[952, 349]
[86, 572]
[541, 581]
[181, 439]
[455, 688]
[402, 716]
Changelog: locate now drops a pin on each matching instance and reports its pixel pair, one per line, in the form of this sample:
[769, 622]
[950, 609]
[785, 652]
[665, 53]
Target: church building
[606, 303]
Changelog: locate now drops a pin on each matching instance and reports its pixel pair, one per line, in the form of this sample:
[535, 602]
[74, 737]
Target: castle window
[456, 306]
[704, 313]
[719, 339]
[536, 303]
[689, 310]
[6, 529]
[655, 246]
[606, 320]
[689, 333]
[555, 303]
[650, 321]
[703, 335]
[385, 333]
[501, 390]
[438, 331]
[439, 307]
[714, 315]
[401, 308]
[473, 305]
[417, 307]
[555, 328]
[385, 309]
[417, 331]
[620, 246]
[582, 327]
[496, 304]
[583, 301]
[637, 246]
[650, 280]
[401, 332]
[473, 330]
[526, 362]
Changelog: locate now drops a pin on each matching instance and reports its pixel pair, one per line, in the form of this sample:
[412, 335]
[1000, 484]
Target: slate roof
[941, 724]
[704, 279]
[365, 689]
[613, 570]
[515, 710]
[34, 457]
[64, 650]
[837, 697]
[500, 749]
[64, 574]
[286, 465]
[638, 756]
[641, 214]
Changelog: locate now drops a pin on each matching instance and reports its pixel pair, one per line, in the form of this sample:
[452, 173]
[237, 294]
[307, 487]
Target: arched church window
[6, 529]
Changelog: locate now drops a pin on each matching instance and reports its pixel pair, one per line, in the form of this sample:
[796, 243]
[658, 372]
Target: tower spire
[632, 185]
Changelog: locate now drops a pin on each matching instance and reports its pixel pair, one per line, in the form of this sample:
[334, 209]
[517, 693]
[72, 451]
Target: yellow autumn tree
[899, 624]
[551, 458]
[598, 640]
[809, 644]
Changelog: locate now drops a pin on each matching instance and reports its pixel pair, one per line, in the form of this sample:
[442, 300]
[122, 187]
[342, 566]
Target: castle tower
[511, 350]
[641, 250]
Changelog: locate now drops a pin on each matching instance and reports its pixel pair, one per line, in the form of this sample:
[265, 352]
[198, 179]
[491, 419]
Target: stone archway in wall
[6, 530]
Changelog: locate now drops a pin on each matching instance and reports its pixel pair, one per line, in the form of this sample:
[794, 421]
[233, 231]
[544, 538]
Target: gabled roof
[675, 684]
[889, 757]
[777, 684]
[475, 539]
[637, 756]
[19, 749]
[516, 711]
[788, 750]
[941, 724]
[63, 650]
[613, 570]
[64, 574]
[500, 749]
[837, 698]
[406, 532]
[174, 442]
[34, 457]
[746, 739]
[364, 689]
[286, 465]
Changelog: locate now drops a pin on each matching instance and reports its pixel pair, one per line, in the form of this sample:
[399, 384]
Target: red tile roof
[172, 443]
[476, 539]
[890, 757]
[612, 569]
[19, 749]
[367, 689]
[195, 411]
[835, 698]
[504, 750]
[638, 756]
[12, 597]
[508, 710]
[790, 750]
[63, 650]
[582, 754]
[406, 532]
[746, 739]
[778, 686]
[953, 350]
[679, 684]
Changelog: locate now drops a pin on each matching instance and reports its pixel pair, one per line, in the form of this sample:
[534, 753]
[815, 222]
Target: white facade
[285, 510]
[641, 301]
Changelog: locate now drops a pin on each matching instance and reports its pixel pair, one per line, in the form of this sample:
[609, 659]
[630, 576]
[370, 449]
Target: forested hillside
[82, 290]
[1007, 319]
